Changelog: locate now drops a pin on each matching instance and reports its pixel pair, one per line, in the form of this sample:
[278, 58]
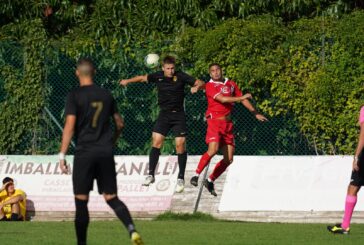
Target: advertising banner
[48, 189]
[288, 183]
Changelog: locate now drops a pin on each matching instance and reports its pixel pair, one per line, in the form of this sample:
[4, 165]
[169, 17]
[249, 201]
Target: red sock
[218, 170]
[204, 160]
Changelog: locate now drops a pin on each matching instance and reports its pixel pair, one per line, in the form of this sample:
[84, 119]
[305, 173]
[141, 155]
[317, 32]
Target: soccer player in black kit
[89, 109]
[170, 86]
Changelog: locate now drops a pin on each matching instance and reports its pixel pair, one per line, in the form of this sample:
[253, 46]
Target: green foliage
[308, 74]
[20, 111]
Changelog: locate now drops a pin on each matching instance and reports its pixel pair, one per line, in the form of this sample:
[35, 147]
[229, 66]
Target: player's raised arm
[250, 107]
[231, 99]
[199, 85]
[136, 79]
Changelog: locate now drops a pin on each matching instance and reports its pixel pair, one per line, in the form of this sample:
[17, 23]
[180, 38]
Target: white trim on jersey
[226, 79]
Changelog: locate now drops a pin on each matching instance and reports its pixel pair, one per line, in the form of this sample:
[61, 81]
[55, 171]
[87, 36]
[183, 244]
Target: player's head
[168, 67]
[215, 72]
[85, 68]
[9, 184]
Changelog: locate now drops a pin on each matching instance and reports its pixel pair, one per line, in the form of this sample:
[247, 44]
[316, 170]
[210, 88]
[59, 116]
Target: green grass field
[178, 232]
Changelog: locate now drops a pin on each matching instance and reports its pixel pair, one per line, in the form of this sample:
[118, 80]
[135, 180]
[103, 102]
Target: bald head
[85, 68]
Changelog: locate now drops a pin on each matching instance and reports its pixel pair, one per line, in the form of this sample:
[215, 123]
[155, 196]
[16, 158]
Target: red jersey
[227, 88]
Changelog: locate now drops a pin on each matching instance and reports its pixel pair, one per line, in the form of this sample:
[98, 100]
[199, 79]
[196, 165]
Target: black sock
[14, 217]
[81, 221]
[122, 213]
[182, 161]
[153, 160]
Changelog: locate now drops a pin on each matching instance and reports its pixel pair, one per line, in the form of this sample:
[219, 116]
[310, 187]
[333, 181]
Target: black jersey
[171, 89]
[93, 106]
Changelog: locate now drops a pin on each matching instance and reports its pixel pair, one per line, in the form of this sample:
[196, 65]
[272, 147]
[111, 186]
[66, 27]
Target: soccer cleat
[136, 239]
[180, 185]
[148, 180]
[210, 187]
[337, 229]
[194, 180]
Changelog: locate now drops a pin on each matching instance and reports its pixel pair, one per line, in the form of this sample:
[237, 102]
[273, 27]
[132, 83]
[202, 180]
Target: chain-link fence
[138, 104]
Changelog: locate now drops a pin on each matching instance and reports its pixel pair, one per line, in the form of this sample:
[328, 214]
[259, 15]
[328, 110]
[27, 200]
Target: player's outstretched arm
[359, 148]
[199, 85]
[119, 125]
[68, 131]
[136, 79]
[232, 99]
[250, 107]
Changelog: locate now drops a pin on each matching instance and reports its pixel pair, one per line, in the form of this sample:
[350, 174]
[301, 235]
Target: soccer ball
[151, 60]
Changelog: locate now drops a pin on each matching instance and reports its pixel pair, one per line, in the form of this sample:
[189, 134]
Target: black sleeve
[114, 107]
[152, 78]
[187, 78]
[71, 107]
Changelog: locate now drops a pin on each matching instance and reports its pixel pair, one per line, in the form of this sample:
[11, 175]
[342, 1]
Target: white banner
[287, 183]
[49, 190]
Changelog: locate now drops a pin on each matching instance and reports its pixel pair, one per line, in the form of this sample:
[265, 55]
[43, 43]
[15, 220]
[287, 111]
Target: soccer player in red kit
[221, 93]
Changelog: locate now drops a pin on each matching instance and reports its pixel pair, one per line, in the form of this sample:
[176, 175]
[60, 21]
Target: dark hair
[169, 60]
[214, 64]
[7, 179]
[86, 66]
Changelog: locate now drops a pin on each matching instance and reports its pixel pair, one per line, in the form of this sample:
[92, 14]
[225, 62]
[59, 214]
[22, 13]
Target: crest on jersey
[225, 90]
[174, 78]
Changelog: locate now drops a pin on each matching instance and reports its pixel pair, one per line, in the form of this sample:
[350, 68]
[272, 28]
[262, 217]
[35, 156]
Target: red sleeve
[237, 91]
[212, 91]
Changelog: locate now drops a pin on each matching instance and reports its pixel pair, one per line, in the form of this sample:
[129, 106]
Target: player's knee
[157, 144]
[212, 151]
[180, 148]
[228, 161]
[108, 197]
[353, 190]
[15, 208]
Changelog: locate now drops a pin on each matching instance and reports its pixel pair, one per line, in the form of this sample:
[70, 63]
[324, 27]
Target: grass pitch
[182, 230]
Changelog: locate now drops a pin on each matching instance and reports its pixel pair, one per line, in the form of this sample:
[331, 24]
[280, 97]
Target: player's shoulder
[3, 193]
[156, 74]
[229, 81]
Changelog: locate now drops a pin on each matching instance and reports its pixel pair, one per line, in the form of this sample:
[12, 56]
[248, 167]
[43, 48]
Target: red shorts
[221, 131]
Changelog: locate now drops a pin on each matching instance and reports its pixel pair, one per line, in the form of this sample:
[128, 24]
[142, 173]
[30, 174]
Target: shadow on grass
[198, 216]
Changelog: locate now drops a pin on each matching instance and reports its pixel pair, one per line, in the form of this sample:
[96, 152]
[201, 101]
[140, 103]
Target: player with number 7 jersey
[89, 109]
[93, 106]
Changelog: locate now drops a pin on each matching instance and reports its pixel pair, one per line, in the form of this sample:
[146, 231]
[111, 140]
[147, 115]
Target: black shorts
[357, 178]
[86, 169]
[169, 120]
